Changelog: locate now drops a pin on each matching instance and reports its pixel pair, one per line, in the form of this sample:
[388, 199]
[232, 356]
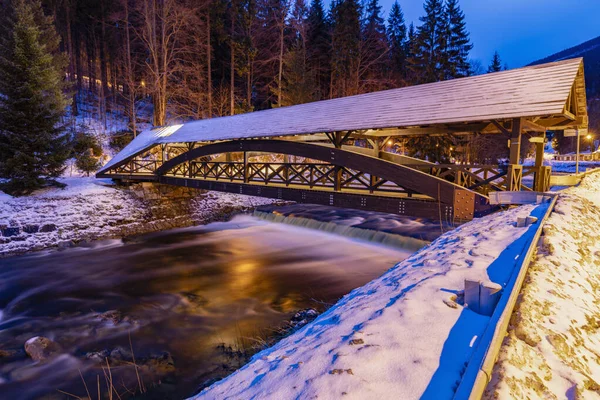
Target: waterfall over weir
[367, 235]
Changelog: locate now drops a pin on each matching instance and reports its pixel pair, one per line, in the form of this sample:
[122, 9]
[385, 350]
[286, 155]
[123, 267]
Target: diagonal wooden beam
[500, 127]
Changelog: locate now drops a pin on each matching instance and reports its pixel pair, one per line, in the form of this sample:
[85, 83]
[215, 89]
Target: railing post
[246, 172]
[372, 182]
[286, 171]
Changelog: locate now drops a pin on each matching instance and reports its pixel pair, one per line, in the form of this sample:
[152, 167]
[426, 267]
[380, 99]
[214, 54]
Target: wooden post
[539, 178]
[286, 170]
[515, 170]
[338, 140]
[246, 172]
[163, 148]
[577, 159]
[337, 178]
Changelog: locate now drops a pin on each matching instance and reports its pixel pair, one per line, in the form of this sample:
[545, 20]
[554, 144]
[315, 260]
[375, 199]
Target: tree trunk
[103, 64]
[232, 65]
[209, 88]
[132, 112]
[74, 110]
[279, 77]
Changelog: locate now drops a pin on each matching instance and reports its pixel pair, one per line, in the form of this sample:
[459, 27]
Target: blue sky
[521, 30]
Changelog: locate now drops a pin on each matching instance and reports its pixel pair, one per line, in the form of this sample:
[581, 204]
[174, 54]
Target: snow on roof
[534, 91]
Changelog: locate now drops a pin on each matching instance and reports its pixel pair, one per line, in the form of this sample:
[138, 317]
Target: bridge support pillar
[337, 184]
[515, 170]
[541, 182]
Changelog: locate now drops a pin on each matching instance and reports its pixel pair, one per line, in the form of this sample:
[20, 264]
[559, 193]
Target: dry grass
[110, 388]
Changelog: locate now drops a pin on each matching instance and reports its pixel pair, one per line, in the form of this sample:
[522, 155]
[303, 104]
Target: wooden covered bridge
[332, 152]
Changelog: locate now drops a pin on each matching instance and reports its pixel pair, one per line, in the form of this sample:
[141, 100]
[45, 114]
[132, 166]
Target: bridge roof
[535, 92]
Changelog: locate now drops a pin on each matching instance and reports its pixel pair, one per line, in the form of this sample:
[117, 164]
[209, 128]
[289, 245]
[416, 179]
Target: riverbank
[406, 334]
[551, 350]
[90, 209]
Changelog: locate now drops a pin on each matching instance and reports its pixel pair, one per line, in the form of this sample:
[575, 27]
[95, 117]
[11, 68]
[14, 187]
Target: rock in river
[40, 348]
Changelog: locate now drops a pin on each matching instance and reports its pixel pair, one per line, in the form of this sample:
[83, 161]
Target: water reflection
[179, 294]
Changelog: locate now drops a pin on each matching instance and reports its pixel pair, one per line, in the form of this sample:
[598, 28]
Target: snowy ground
[90, 209]
[400, 336]
[552, 349]
[566, 166]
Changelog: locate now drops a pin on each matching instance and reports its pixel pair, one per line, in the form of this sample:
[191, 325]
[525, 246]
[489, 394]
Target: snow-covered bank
[553, 342]
[565, 167]
[90, 209]
[401, 335]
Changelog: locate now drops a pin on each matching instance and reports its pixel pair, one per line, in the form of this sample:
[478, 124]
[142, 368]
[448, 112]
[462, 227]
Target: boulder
[31, 228]
[40, 348]
[48, 228]
[11, 231]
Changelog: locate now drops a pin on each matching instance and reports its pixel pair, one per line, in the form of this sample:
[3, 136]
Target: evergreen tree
[33, 146]
[398, 43]
[318, 47]
[432, 148]
[496, 64]
[86, 150]
[458, 43]
[298, 84]
[345, 57]
[373, 49]
[431, 40]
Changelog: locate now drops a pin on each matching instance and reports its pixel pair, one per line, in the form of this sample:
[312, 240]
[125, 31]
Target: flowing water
[185, 301]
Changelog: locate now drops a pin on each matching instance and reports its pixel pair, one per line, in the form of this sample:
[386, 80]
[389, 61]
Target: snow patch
[551, 350]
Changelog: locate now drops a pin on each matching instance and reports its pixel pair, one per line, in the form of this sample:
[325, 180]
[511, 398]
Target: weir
[367, 235]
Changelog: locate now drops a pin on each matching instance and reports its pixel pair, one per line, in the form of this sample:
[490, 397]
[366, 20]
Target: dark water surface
[187, 298]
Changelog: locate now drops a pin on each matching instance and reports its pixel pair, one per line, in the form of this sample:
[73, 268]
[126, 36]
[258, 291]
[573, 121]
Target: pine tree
[86, 150]
[431, 148]
[430, 44]
[318, 47]
[458, 43]
[398, 43]
[345, 57]
[33, 146]
[496, 64]
[298, 84]
[373, 49]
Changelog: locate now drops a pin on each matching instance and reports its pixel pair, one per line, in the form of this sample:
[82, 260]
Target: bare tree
[161, 25]
[131, 85]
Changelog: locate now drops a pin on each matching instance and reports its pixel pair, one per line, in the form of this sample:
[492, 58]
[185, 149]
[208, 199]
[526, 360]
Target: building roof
[540, 91]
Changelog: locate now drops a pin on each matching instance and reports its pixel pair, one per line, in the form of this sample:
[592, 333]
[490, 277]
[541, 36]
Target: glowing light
[389, 142]
[451, 148]
[588, 137]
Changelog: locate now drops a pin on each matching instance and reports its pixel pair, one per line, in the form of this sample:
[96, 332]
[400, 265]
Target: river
[190, 303]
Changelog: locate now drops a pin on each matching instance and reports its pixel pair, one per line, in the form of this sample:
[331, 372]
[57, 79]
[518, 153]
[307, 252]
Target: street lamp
[590, 138]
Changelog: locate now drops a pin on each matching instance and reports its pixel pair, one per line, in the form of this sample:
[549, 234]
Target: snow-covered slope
[90, 209]
[552, 350]
[400, 336]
